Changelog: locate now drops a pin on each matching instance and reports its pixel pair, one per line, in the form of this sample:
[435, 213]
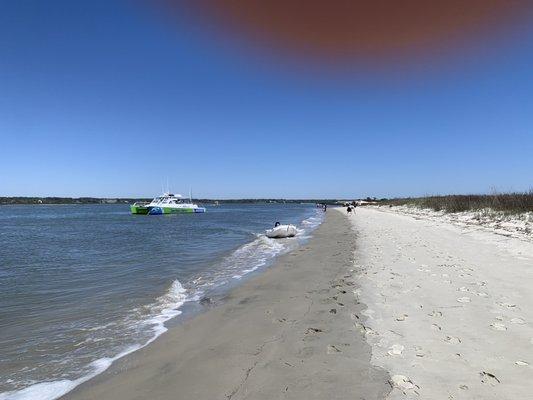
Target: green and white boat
[167, 203]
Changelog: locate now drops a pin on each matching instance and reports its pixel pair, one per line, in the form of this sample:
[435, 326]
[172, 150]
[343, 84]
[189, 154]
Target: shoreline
[176, 305]
[286, 333]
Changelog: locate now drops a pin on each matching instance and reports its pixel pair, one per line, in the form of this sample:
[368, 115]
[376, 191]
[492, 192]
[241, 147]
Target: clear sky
[111, 99]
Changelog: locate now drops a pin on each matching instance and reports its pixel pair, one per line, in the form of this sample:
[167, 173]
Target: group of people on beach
[351, 207]
[323, 206]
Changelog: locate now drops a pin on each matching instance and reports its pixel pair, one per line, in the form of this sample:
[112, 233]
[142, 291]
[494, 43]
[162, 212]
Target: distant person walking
[348, 210]
[325, 207]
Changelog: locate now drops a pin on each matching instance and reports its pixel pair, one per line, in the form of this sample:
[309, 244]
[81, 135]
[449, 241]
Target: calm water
[82, 285]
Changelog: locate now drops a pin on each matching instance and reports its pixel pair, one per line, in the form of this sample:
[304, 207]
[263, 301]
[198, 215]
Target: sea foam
[168, 307]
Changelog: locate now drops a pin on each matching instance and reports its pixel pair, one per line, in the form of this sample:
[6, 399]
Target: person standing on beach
[325, 207]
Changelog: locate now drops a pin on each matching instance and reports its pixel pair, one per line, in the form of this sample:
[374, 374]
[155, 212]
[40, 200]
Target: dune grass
[511, 203]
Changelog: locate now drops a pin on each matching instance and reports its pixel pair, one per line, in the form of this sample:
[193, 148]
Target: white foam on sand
[256, 254]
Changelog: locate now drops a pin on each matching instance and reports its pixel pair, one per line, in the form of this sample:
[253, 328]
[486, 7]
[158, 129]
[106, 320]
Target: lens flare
[359, 30]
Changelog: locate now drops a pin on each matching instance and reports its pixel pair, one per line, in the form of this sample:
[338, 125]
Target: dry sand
[289, 333]
[450, 309]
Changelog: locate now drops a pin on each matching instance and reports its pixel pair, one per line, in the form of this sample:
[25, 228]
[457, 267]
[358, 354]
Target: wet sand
[291, 332]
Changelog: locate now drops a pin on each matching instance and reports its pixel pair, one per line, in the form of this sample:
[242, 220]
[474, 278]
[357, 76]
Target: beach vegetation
[511, 203]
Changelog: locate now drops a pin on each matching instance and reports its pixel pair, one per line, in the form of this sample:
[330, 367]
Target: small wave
[165, 307]
[55, 389]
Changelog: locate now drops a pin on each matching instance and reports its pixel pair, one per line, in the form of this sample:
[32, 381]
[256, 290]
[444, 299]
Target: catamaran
[167, 203]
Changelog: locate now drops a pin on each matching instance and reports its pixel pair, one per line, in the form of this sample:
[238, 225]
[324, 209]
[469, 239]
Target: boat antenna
[190, 194]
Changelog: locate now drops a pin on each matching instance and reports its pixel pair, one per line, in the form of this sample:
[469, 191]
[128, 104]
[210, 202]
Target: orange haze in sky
[361, 30]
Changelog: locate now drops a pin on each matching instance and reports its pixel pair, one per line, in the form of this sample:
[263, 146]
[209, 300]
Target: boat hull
[143, 210]
[174, 210]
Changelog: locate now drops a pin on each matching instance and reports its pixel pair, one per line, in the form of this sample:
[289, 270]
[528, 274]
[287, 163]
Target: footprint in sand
[396, 350]
[331, 349]
[452, 340]
[507, 305]
[498, 327]
[488, 378]
[435, 314]
[519, 321]
[435, 327]
[464, 300]
[370, 332]
[521, 363]
[402, 382]
[401, 317]
[420, 353]
[482, 294]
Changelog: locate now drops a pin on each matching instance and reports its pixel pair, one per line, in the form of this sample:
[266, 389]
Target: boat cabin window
[167, 200]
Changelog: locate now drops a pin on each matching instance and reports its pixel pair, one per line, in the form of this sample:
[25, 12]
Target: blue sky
[111, 99]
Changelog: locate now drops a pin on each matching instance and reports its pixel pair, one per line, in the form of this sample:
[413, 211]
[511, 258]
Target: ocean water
[83, 285]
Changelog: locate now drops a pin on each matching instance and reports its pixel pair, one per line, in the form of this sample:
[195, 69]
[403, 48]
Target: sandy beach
[449, 307]
[376, 300]
[288, 333]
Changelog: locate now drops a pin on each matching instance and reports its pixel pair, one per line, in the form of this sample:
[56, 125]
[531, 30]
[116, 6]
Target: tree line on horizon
[100, 200]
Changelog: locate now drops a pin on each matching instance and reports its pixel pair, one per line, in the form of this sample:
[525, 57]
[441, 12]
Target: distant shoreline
[104, 200]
